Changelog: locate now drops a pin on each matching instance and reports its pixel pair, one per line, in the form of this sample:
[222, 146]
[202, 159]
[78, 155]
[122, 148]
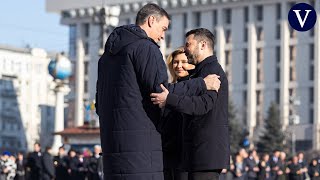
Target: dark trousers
[174, 174]
[200, 175]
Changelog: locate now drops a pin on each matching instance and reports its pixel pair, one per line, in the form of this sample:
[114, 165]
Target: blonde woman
[178, 65]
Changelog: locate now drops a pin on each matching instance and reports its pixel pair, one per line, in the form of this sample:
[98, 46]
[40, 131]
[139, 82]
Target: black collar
[206, 61]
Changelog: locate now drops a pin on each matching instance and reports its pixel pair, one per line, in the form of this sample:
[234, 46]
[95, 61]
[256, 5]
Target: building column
[252, 73]
[60, 91]
[284, 68]
[316, 127]
[220, 45]
[79, 105]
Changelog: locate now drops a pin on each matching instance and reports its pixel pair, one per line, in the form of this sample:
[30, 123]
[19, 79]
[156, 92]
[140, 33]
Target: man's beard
[192, 57]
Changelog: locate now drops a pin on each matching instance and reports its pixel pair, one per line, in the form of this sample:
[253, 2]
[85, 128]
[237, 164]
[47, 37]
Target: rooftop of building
[85, 129]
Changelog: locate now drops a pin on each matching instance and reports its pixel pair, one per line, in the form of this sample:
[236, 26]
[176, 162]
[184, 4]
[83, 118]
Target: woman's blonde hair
[174, 77]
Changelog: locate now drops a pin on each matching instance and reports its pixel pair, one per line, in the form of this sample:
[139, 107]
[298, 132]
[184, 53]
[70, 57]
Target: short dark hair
[203, 34]
[149, 10]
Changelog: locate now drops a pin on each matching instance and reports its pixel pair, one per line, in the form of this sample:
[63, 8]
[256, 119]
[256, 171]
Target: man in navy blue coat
[205, 128]
[130, 69]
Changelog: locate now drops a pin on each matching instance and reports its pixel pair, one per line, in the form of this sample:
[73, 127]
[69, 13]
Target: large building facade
[265, 59]
[27, 99]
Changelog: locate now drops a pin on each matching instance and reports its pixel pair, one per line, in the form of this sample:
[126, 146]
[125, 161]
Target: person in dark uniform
[264, 167]
[251, 164]
[295, 169]
[73, 163]
[34, 164]
[21, 167]
[314, 170]
[61, 164]
[48, 171]
[93, 164]
[82, 166]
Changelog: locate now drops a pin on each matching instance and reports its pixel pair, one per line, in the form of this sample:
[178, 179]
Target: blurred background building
[265, 59]
[26, 99]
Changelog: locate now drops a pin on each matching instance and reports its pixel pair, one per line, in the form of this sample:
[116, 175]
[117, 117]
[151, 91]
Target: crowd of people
[42, 165]
[269, 166]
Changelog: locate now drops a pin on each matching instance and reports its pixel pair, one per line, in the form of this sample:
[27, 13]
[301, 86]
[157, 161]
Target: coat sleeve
[192, 105]
[195, 105]
[151, 71]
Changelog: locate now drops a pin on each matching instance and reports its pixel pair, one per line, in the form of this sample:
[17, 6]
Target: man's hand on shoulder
[160, 98]
[212, 82]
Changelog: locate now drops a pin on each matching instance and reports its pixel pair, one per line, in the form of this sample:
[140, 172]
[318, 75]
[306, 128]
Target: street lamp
[60, 69]
[294, 119]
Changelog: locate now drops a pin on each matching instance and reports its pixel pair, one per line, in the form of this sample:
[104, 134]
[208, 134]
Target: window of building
[311, 98]
[278, 74]
[245, 76]
[246, 14]
[168, 41]
[258, 98]
[85, 86]
[197, 19]
[278, 31]
[86, 29]
[227, 15]
[260, 34]
[292, 74]
[259, 55]
[245, 56]
[278, 54]
[72, 41]
[311, 51]
[245, 34]
[259, 12]
[86, 67]
[185, 20]
[291, 92]
[278, 96]
[278, 11]
[228, 35]
[244, 96]
[258, 76]
[311, 115]
[258, 118]
[292, 50]
[311, 72]
[86, 48]
[311, 31]
[214, 18]
[227, 56]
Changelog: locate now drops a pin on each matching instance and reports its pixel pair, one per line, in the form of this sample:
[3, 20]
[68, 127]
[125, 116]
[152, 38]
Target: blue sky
[26, 22]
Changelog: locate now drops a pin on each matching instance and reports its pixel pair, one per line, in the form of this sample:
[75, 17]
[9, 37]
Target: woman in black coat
[171, 125]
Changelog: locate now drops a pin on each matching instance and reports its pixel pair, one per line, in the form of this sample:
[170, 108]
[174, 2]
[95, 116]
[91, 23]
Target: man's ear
[203, 44]
[151, 20]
